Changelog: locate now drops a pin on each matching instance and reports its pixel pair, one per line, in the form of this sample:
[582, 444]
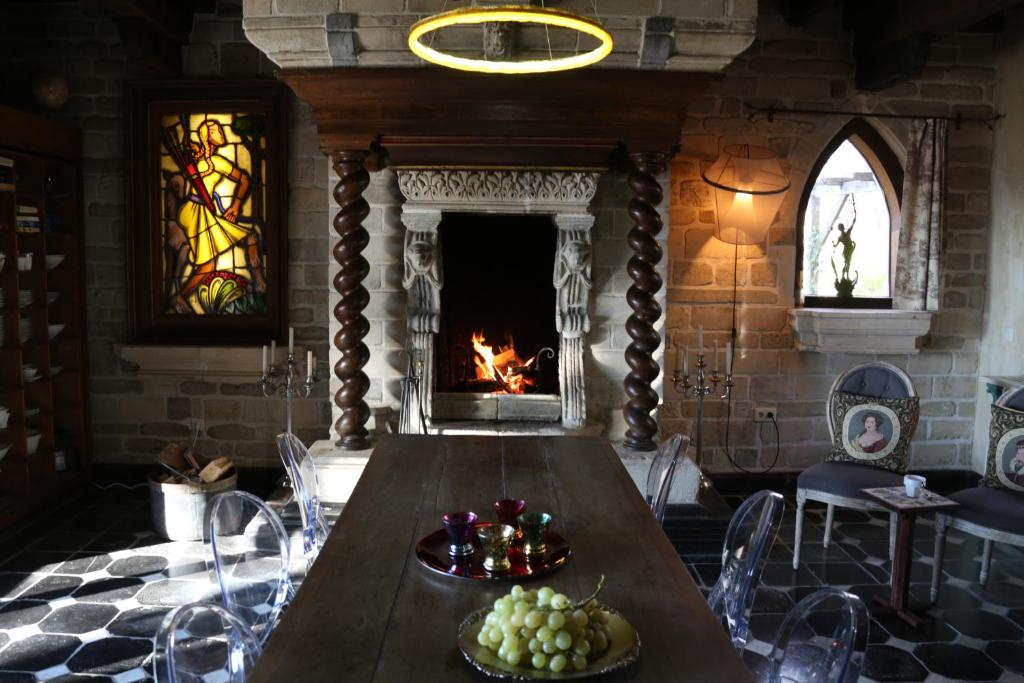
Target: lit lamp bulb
[749, 188]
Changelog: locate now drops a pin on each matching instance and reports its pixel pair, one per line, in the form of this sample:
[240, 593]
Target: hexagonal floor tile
[1000, 593]
[16, 677]
[109, 590]
[84, 563]
[931, 630]
[81, 617]
[111, 656]
[140, 622]
[139, 565]
[886, 663]
[950, 596]
[38, 652]
[982, 625]
[22, 613]
[1008, 654]
[174, 592]
[13, 583]
[958, 662]
[52, 587]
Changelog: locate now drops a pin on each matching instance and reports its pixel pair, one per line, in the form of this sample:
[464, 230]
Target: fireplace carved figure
[563, 199]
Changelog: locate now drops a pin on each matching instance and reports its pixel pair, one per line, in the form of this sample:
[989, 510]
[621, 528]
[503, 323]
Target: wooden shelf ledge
[190, 361]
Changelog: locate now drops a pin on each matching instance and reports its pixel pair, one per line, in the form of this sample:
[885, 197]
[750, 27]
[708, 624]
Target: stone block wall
[135, 410]
[811, 67]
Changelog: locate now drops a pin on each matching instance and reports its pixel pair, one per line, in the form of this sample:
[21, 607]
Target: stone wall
[811, 67]
[135, 411]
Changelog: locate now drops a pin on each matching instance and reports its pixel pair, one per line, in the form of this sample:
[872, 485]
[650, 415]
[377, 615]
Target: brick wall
[810, 67]
[135, 412]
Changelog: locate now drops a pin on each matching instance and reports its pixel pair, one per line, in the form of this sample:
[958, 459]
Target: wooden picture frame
[206, 184]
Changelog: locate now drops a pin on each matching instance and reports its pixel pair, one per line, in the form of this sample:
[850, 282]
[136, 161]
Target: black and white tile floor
[975, 633]
[83, 589]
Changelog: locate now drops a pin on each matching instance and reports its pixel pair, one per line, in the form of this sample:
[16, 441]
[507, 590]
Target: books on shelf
[27, 222]
[6, 174]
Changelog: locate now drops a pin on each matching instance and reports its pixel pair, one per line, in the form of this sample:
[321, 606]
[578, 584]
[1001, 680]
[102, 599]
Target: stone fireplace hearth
[565, 196]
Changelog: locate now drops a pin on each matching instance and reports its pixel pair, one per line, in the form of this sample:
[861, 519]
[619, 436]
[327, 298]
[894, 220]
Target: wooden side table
[895, 498]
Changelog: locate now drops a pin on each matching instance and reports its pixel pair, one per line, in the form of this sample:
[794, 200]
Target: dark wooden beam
[904, 19]
[439, 117]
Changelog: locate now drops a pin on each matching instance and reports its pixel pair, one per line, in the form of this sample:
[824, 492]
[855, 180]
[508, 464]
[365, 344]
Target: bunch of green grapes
[541, 628]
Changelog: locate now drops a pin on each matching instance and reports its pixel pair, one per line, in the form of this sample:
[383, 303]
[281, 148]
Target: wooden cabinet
[42, 312]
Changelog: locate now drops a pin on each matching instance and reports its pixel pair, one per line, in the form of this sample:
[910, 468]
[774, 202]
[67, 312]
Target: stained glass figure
[212, 214]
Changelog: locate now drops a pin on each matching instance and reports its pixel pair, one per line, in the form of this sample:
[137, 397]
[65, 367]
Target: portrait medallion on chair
[1005, 466]
[873, 431]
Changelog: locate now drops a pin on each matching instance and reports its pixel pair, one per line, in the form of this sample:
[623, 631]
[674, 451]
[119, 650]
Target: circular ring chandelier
[520, 14]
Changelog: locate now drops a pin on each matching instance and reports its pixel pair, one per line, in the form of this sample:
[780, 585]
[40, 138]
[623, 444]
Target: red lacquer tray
[432, 552]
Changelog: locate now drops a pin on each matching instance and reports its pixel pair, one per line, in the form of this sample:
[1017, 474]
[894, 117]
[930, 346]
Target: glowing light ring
[515, 14]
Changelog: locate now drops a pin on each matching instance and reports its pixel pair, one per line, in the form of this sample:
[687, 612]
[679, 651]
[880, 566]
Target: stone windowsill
[846, 330]
[219, 361]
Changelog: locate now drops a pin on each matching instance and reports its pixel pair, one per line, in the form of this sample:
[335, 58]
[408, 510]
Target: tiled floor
[974, 634]
[81, 597]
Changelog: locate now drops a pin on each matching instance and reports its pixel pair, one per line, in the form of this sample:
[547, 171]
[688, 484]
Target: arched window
[850, 206]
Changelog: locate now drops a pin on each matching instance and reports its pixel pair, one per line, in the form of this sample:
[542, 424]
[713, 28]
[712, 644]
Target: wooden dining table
[369, 611]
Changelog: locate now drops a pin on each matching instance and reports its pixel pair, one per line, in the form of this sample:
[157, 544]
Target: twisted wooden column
[350, 165]
[642, 398]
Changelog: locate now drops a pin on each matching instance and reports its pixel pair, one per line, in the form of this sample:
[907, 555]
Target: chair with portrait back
[992, 514]
[306, 486]
[839, 484]
[748, 540]
[822, 640]
[198, 642]
[662, 473]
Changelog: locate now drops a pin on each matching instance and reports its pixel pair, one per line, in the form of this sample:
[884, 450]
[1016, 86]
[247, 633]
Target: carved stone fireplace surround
[566, 197]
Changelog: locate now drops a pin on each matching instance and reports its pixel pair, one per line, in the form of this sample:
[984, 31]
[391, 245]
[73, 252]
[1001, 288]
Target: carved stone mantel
[565, 195]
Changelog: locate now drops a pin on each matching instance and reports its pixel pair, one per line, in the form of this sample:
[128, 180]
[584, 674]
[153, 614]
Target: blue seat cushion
[846, 478]
[989, 507]
[876, 382]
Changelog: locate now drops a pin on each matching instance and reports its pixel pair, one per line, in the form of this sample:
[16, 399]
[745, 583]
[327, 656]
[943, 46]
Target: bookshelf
[42, 313]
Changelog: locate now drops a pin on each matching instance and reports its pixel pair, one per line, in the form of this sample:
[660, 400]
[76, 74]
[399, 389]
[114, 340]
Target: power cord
[116, 484]
[732, 364]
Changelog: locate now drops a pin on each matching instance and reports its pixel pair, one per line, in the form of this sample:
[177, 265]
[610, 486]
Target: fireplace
[497, 329]
[498, 275]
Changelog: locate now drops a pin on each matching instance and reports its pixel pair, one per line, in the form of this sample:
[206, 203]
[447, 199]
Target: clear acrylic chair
[662, 472]
[821, 640]
[198, 642]
[248, 549]
[749, 539]
[306, 485]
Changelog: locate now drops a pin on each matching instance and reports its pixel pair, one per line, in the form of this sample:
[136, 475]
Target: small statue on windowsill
[844, 285]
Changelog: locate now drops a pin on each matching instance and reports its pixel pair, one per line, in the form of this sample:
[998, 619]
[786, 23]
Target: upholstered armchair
[840, 483]
[990, 513]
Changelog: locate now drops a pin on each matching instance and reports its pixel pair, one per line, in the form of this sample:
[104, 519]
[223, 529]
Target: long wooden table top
[368, 611]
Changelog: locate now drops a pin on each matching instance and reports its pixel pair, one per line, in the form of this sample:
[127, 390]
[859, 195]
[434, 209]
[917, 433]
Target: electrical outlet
[765, 413]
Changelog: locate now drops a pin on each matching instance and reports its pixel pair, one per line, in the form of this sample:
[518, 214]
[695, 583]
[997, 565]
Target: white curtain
[924, 183]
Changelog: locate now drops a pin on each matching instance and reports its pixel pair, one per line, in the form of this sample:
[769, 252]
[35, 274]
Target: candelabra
[284, 381]
[705, 385]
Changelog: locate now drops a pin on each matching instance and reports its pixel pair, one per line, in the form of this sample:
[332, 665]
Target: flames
[504, 366]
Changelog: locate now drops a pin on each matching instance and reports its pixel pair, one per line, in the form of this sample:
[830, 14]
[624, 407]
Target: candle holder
[284, 381]
[705, 385]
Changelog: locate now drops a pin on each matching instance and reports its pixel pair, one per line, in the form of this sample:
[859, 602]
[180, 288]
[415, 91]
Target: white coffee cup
[914, 483]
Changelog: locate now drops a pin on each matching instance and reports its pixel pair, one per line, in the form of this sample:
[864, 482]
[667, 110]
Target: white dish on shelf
[54, 330]
[3, 260]
[4, 450]
[5, 417]
[51, 297]
[55, 369]
[32, 412]
[25, 297]
[54, 260]
[32, 439]
[25, 262]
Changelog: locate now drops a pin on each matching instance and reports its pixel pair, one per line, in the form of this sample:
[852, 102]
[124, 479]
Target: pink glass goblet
[508, 510]
[460, 527]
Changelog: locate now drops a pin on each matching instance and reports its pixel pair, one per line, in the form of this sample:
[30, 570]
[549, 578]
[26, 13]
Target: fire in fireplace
[497, 332]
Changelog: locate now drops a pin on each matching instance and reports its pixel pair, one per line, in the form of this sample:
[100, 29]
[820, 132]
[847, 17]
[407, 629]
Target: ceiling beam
[933, 17]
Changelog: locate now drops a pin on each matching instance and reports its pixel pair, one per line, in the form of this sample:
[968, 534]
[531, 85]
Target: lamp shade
[749, 187]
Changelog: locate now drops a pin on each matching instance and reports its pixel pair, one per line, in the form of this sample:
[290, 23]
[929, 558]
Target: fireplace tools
[704, 386]
[411, 397]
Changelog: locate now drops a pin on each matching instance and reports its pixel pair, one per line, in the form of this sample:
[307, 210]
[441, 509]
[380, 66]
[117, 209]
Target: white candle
[309, 363]
[273, 351]
[686, 359]
[700, 338]
[264, 359]
[716, 355]
[291, 341]
[728, 358]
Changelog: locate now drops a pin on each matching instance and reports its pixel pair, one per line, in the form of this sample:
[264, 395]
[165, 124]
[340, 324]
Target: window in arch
[856, 182]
